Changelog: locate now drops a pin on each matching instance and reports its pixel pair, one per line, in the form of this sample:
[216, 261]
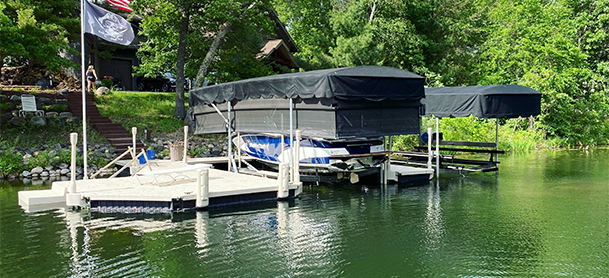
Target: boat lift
[495, 101]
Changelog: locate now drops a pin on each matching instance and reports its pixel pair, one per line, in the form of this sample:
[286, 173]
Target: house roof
[277, 50]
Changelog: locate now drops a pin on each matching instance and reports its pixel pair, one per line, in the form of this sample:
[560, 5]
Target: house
[118, 61]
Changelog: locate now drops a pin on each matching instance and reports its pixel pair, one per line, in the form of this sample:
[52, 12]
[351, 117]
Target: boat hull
[316, 156]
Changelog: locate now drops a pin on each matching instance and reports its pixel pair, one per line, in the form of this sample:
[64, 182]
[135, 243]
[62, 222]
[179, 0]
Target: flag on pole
[107, 25]
[121, 4]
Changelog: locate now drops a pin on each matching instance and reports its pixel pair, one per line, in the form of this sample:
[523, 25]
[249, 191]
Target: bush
[198, 151]
[5, 107]
[10, 162]
[107, 83]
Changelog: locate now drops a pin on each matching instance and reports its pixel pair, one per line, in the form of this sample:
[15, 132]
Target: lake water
[545, 214]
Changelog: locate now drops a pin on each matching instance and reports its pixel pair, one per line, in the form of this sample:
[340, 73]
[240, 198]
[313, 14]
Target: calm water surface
[544, 214]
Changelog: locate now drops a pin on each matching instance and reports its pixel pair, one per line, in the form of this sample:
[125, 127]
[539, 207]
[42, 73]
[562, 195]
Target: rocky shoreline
[52, 162]
[198, 147]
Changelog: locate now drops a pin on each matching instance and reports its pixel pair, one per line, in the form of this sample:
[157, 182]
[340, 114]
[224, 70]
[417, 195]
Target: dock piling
[133, 134]
[296, 158]
[429, 148]
[202, 188]
[283, 178]
[73, 140]
[73, 198]
[437, 147]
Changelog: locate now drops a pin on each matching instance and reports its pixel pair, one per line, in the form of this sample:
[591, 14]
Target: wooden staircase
[116, 134]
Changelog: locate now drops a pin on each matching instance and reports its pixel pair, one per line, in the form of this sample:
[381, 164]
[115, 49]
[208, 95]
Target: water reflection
[434, 227]
[519, 222]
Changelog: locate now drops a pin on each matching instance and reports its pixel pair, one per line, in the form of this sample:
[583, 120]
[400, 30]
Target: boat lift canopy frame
[369, 101]
[494, 101]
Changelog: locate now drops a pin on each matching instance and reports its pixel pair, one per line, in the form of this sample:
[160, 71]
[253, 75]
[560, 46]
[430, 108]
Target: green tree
[222, 37]
[534, 43]
[427, 37]
[35, 32]
[308, 22]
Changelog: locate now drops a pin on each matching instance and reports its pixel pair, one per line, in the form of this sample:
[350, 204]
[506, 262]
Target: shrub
[5, 107]
[10, 162]
[197, 151]
[43, 159]
[59, 108]
[107, 83]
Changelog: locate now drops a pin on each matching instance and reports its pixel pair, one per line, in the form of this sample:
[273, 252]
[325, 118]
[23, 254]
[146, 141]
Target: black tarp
[494, 101]
[367, 101]
[372, 83]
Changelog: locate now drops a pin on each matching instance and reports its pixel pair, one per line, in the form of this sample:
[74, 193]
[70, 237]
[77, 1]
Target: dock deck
[141, 192]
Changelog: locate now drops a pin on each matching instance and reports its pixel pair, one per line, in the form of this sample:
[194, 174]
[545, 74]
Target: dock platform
[162, 194]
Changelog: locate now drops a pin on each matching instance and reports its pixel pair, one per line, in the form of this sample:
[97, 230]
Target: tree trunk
[211, 53]
[179, 109]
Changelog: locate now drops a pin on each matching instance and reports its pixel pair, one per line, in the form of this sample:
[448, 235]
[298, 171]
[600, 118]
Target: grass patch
[153, 111]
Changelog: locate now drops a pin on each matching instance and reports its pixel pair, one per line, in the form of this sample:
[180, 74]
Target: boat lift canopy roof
[495, 101]
[373, 83]
[355, 102]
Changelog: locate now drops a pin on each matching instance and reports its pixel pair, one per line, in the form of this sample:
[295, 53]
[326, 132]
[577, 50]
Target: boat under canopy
[333, 104]
[494, 101]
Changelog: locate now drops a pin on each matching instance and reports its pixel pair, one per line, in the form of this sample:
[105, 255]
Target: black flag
[107, 25]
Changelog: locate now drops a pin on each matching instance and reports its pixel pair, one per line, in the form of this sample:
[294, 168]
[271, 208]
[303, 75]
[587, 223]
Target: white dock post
[133, 133]
[239, 148]
[73, 198]
[283, 178]
[185, 142]
[73, 140]
[203, 188]
[437, 147]
[296, 159]
[282, 149]
[429, 148]
[296, 182]
[292, 133]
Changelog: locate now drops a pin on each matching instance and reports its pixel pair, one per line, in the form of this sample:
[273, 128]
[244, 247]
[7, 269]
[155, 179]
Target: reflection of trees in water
[489, 237]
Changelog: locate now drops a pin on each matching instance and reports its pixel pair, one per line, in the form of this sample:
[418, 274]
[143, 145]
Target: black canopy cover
[339, 103]
[495, 101]
[372, 83]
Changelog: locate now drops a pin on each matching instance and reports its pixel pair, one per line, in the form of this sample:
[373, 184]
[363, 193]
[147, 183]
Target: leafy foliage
[559, 48]
[35, 32]
[161, 27]
[10, 162]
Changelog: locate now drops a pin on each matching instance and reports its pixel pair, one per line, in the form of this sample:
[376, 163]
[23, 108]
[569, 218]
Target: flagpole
[84, 87]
